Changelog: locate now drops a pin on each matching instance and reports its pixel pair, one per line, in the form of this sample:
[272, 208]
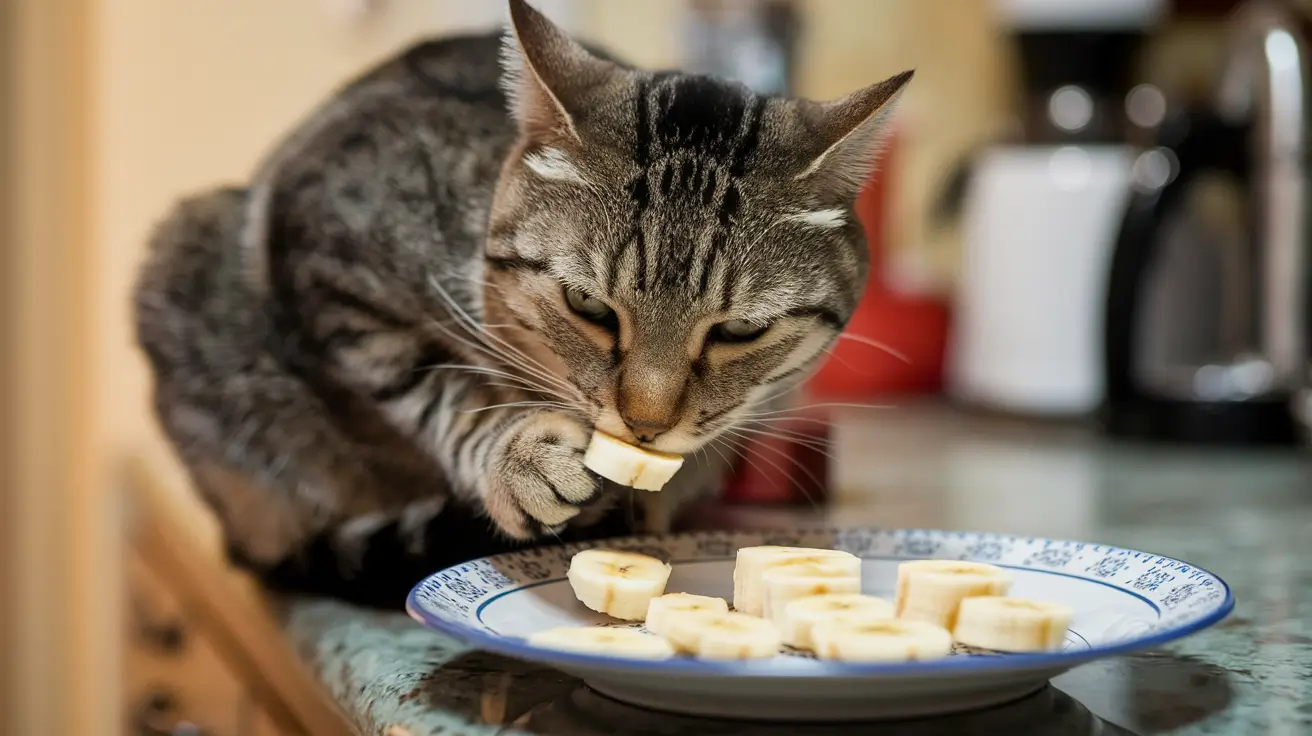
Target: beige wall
[8, 342]
[957, 100]
[58, 587]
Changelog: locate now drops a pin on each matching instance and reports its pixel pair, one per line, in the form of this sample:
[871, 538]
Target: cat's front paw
[537, 480]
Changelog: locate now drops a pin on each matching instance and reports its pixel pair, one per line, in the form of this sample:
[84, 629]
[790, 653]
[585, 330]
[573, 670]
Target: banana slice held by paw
[752, 562]
[1012, 624]
[662, 611]
[622, 463]
[801, 616]
[603, 640]
[932, 590]
[880, 640]
[801, 577]
[723, 636]
[616, 583]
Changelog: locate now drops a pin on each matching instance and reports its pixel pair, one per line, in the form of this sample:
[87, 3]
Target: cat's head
[674, 246]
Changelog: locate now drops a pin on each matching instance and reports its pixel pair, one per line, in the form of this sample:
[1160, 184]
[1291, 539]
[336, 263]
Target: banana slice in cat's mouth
[620, 462]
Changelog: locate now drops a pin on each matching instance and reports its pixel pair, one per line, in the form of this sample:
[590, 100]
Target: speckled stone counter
[1246, 516]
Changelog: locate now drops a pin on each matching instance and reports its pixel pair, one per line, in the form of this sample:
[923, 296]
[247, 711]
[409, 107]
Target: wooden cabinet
[205, 654]
[175, 680]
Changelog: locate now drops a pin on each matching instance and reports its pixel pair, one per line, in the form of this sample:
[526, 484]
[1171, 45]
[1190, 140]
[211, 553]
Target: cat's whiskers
[875, 344]
[497, 354]
[750, 457]
[808, 420]
[821, 405]
[796, 438]
[713, 444]
[759, 437]
[520, 387]
[830, 349]
[514, 356]
[479, 410]
[781, 432]
[490, 351]
[520, 384]
[747, 438]
[475, 280]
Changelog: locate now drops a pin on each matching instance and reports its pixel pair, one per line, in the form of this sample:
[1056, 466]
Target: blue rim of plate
[520, 649]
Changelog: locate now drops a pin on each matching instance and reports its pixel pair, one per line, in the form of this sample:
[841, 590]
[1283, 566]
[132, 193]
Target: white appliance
[1039, 226]
[1040, 216]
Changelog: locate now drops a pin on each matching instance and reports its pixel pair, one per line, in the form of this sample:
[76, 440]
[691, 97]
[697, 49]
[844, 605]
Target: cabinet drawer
[175, 681]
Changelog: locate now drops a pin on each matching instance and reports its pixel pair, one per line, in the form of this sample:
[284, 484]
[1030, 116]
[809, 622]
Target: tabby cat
[388, 351]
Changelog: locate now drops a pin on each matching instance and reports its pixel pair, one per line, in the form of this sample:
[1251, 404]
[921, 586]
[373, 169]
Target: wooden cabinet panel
[173, 674]
[263, 725]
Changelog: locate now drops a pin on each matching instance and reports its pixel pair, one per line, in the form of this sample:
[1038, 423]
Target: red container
[789, 467]
[895, 343]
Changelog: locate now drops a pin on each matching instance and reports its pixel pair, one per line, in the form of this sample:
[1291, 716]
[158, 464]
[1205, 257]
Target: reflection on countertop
[1245, 515]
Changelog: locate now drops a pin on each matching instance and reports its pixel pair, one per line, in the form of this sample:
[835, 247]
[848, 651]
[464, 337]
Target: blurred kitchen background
[1091, 213]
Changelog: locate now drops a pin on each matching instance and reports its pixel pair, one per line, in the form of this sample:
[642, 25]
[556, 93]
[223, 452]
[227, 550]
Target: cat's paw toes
[538, 482]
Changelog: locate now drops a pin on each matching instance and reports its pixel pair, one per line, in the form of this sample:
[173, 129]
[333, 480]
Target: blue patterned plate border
[1186, 598]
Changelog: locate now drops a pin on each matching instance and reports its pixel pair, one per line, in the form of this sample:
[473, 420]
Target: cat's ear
[850, 131]
[544, 73]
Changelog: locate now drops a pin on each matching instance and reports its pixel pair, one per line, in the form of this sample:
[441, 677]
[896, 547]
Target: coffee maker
[1207, 313]
[1039, 212]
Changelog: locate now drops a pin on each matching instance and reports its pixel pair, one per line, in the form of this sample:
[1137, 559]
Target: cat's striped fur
[388, 351]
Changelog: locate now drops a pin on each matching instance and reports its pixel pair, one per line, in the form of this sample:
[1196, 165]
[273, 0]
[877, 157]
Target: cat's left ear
[850, 131]
[545, 73]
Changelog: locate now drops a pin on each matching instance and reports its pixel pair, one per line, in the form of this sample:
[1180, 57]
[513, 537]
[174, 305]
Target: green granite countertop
[1245, 515]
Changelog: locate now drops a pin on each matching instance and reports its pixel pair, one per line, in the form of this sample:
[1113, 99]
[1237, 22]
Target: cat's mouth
[673, 441]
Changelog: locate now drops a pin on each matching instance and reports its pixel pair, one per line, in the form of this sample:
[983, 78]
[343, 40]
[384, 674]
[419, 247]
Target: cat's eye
[737, 330]
[589, 307]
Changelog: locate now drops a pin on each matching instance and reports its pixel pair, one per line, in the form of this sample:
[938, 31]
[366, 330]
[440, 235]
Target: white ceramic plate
[1124, 601]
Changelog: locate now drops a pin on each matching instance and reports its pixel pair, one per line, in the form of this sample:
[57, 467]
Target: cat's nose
[646, 430]
[649, 402]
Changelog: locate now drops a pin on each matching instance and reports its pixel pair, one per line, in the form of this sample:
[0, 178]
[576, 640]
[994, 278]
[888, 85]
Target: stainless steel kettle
[1207, 322]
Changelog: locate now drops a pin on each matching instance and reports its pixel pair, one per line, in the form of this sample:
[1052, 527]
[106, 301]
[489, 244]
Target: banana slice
[619, 584]
[1012, 624]
[723, 635]
[663, 610]
[800, 577]
[881, 640]
[603, 640]
[620, 462]
[802, 615]
[931, 590]
[752, 562]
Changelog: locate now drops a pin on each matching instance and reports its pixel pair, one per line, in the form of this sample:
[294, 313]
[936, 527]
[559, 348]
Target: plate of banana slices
[821, 624]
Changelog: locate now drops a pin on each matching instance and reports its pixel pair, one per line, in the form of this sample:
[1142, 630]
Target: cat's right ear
[544, 74]
[849, 132]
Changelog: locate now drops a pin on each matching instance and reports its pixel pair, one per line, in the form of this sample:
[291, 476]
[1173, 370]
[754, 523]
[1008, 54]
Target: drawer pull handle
[156, 717]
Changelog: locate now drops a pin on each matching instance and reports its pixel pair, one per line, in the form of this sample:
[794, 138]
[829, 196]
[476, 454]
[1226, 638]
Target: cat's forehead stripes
[703, 116]
[694, 138]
